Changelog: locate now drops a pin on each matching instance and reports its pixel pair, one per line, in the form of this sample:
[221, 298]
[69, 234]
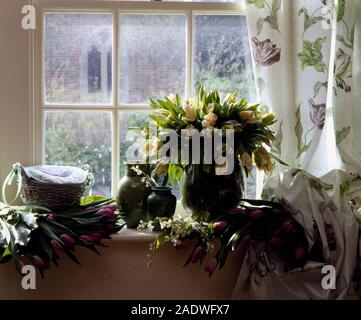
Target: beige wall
[15, 87]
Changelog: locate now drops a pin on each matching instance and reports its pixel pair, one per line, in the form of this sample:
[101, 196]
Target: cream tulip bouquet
[209, 110]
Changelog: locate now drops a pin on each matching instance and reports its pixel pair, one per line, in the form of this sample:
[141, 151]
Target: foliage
[208, 111]
[311, 55]
[257, 221]
[37, 234]
[81, 138]
[271, 18]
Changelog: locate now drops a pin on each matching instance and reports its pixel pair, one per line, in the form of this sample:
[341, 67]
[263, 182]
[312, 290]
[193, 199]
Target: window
[101, 61]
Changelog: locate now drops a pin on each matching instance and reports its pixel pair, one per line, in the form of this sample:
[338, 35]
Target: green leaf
[344, 188]
[309, 21]
[311, 55]
[273, 22]
[92, 199]
[222, 256]
[278, 159]
[258, 3]
[276, 5]
[237, 238]
[171, 173]
[341, 9]
[342, 135]
[6, 253]
[49, 232]
[299, 129]
[277, 144]
[317, 87]
[345, 42]
[264, 203]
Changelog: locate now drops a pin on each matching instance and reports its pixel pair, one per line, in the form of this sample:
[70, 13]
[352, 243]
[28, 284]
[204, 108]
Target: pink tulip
[219, 226]
[236, 211]
[299, 254]
[68, 240]
[109, 227]
[91, 238]
[46, 265]
[276, 241]
[51, 217]
[287, 226]
[196, 255]
[256, 214]
[112, 207]
[56, 245]
[90, 209]
[107, 212]
[211, 265]
[183, 244]
[38, 262]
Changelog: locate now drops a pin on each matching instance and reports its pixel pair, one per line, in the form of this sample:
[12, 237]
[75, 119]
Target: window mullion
[115, 124]
[189, 53]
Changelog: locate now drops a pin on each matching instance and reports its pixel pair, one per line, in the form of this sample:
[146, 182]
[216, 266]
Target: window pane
[152, 56]
[221, 54]
[77, 138]
[78, 57]
[131, 135]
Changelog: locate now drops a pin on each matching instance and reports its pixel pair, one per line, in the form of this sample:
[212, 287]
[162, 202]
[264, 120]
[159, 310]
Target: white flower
[190, 112]
[210, 108]
[137, 170]
[156, 144]
[248, 116]
[173, 98]
[209, 120]
[246, 160]
[162, 113]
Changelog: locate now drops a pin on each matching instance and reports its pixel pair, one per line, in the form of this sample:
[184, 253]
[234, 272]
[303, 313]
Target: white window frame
[116, 7]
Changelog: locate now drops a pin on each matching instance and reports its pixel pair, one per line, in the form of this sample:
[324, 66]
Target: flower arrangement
[257, 221]
[212, 174]
[210, 111]
[35, 234]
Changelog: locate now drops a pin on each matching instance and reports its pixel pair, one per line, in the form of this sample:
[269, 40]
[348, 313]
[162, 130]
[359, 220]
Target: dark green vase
[132, 196]
[161, 203]
[204, 192]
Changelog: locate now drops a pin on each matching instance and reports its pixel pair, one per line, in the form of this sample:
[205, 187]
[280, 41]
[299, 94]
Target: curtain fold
[307, 66]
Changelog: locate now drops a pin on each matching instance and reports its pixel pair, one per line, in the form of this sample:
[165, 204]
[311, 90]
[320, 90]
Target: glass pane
[152, 56]
[221, 54]
[77, 138]
[78, 57]
[131, 137]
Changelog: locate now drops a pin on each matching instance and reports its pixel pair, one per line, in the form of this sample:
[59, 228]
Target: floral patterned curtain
[303, 63]
[307, 65]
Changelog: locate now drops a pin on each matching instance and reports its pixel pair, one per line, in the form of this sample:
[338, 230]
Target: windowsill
[135, 235]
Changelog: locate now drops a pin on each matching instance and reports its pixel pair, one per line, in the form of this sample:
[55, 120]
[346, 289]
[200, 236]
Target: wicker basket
[52, 195]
